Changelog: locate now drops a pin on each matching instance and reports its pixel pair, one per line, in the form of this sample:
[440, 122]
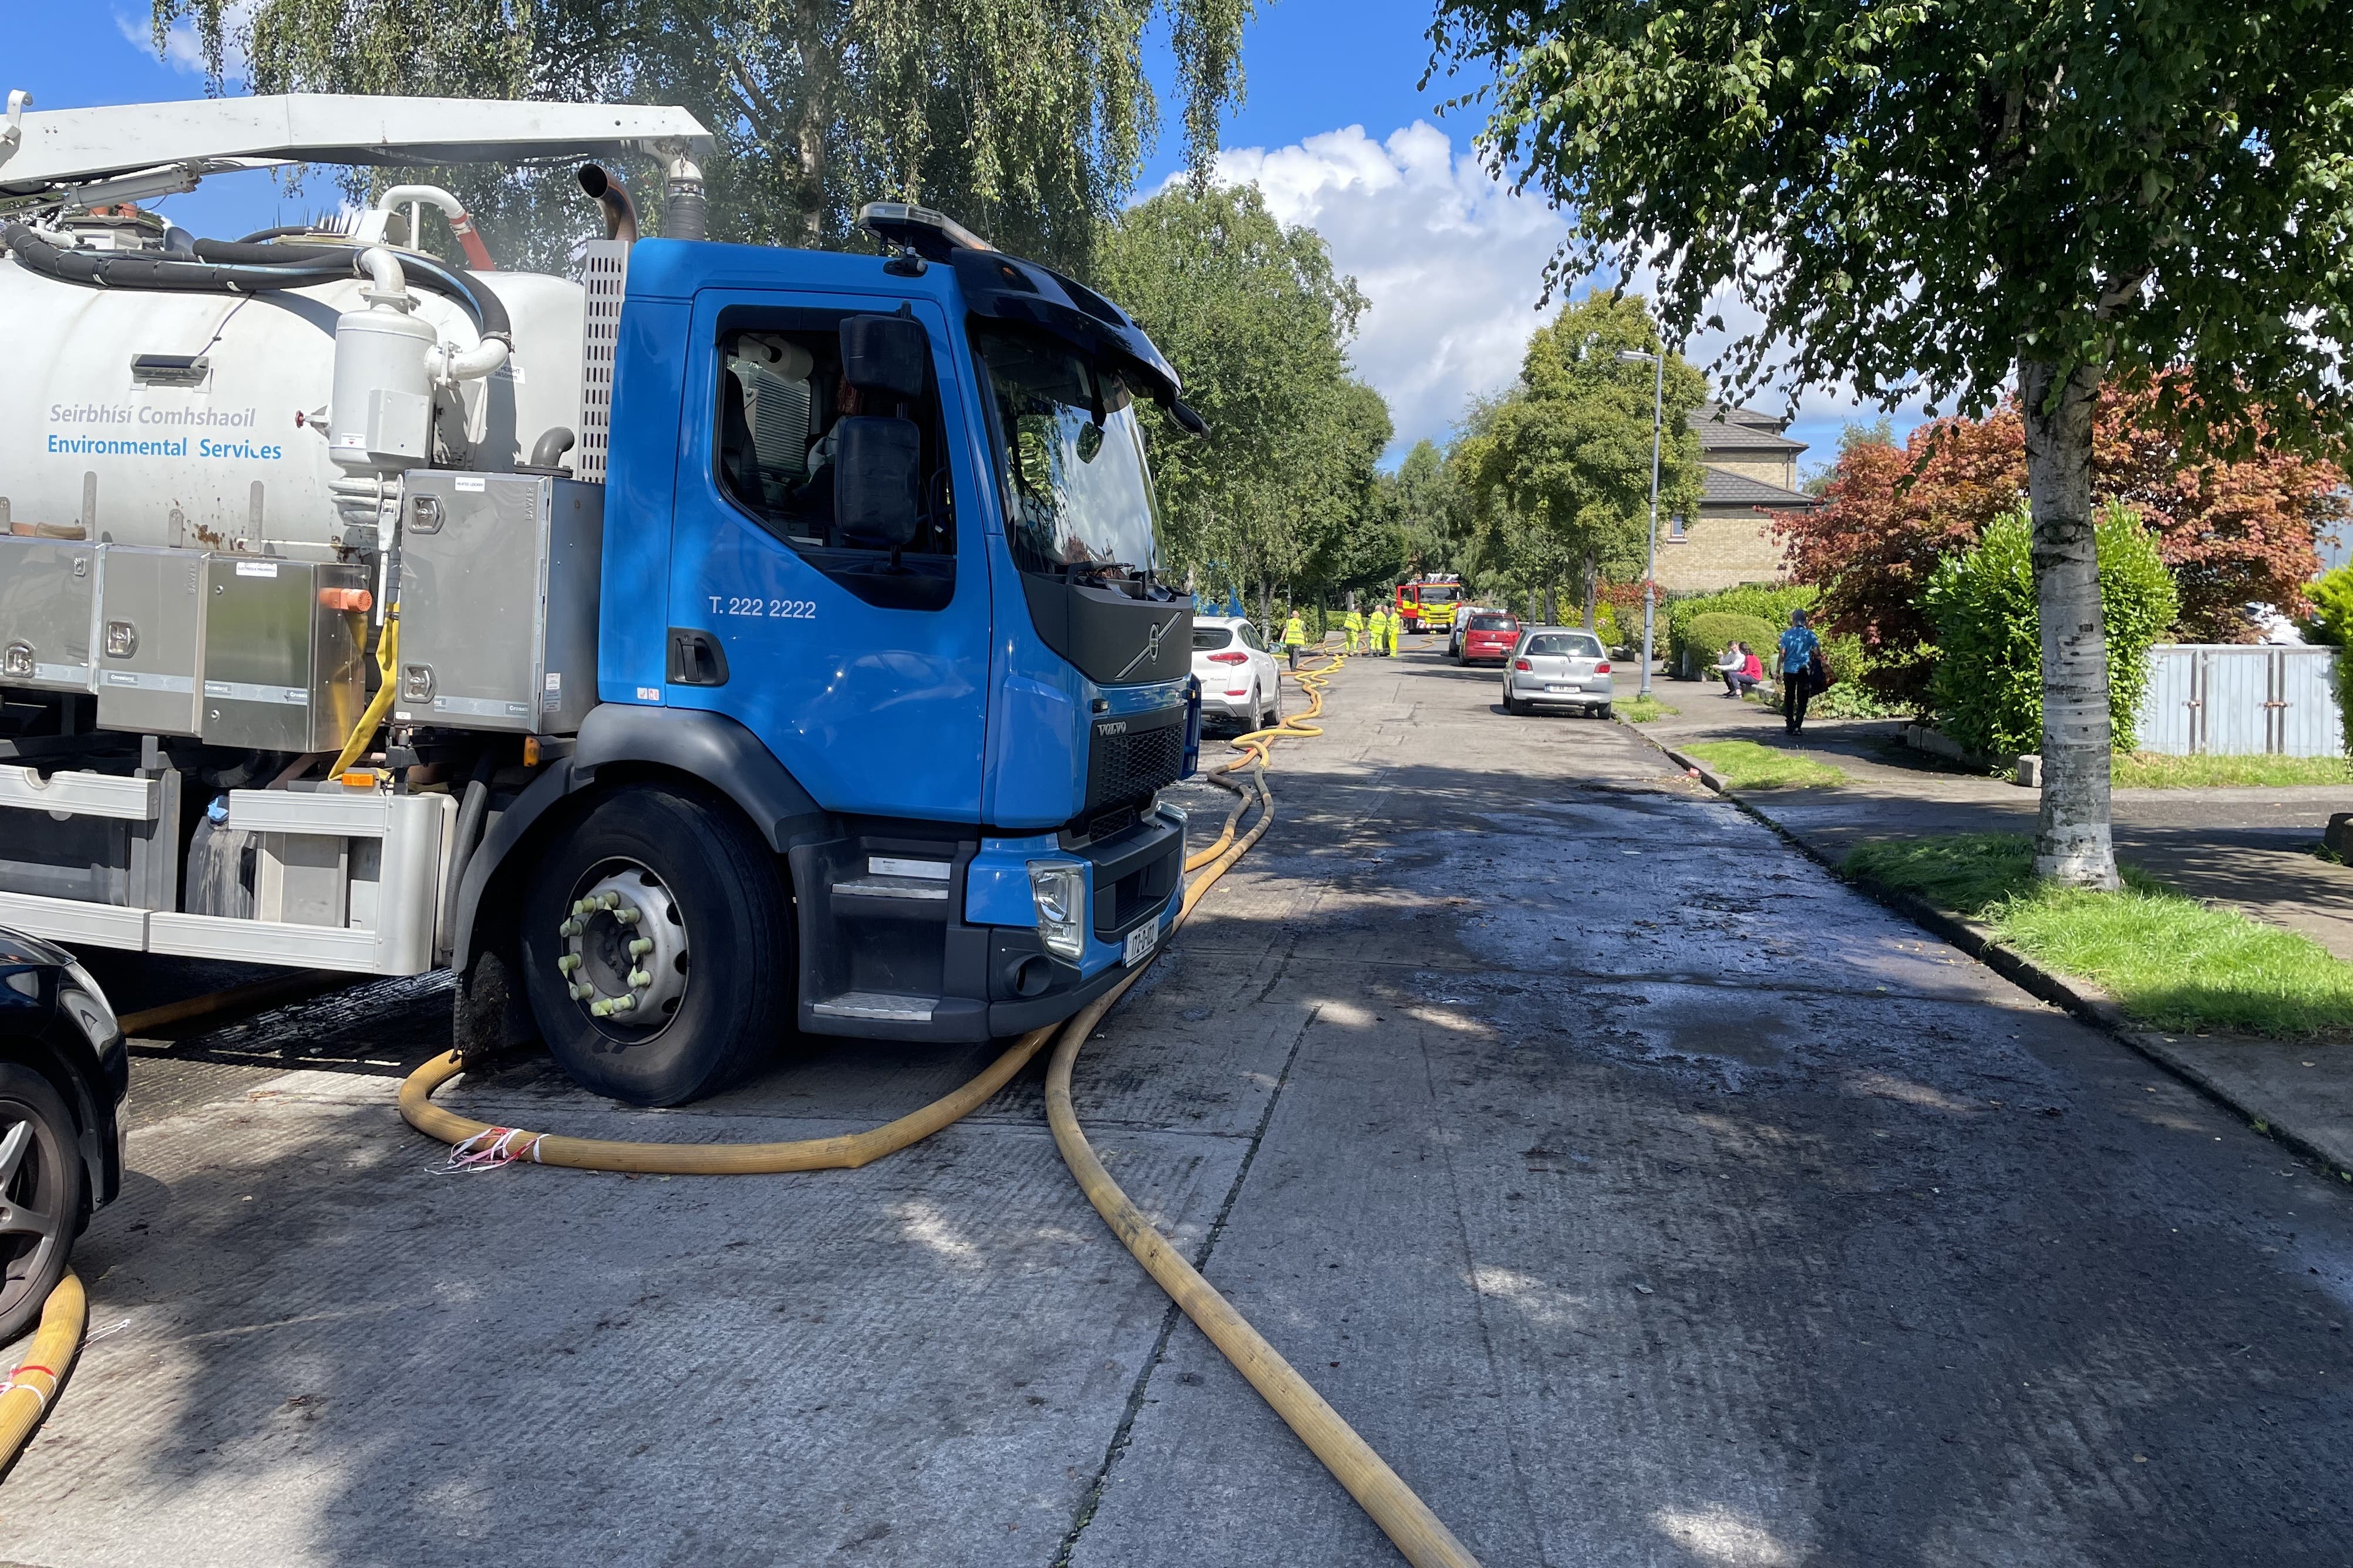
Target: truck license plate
[1141, 941]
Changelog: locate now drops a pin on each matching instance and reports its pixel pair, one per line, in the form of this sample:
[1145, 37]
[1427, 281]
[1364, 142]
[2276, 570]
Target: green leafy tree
[1253, 315]
[1564, 460]
[1026, 119]
[1988, 686]
[1915, 196]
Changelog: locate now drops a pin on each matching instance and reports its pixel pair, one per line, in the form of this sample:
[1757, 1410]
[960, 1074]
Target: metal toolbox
[151, 639]
[284, 644]
[498, 602]
[48, 611]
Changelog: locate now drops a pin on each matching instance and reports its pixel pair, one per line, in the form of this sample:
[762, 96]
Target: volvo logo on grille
[1151, 647]
[1116, 727]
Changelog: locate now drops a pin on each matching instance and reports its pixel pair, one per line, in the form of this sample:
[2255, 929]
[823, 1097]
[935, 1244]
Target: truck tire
[40, 1191]
[710, 998]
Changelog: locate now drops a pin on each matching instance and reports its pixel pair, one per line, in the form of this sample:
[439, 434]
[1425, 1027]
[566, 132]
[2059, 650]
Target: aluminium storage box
[151, 639]
[285, 666]
[498, 601]
[48, 611]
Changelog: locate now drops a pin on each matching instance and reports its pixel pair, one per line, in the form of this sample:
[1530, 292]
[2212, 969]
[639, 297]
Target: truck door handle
[696, 659]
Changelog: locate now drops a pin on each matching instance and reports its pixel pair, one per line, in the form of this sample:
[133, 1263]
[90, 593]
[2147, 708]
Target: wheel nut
[567, 964]
[584, 907]
[620, 1004]
[609, 898]
[582, 992]
[626, 917]
[568, 929]
[641, 946]
[639, 980]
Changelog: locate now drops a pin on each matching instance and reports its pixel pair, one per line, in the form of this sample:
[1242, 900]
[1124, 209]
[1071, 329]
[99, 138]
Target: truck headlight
[1058, 888]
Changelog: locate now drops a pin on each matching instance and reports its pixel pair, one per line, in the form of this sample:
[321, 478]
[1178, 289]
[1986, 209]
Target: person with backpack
[1802, 668]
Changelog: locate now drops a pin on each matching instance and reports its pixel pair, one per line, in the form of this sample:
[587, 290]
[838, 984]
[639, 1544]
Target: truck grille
[1130, 763]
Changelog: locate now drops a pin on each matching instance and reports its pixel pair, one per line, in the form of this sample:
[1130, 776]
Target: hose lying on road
[1418, 1533]
[25, 1393]
[480, 1142]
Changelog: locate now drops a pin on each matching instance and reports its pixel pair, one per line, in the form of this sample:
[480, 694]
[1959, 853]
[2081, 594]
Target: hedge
[1988, 684]
[1770, 602]
[1708, 635]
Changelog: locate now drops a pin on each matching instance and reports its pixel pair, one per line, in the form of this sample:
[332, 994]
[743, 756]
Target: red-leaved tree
[2232, 533]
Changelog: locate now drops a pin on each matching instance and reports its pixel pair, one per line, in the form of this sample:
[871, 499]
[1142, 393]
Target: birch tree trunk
[2071, 844]
[1592, 587]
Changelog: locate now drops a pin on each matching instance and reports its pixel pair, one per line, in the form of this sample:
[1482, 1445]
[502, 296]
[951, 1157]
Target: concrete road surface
[1644, 1195]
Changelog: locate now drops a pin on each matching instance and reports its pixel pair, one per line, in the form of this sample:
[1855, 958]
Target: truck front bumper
[978, 966]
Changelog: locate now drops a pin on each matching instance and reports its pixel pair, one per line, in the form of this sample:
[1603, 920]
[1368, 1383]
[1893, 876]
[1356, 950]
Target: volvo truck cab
[730, 641]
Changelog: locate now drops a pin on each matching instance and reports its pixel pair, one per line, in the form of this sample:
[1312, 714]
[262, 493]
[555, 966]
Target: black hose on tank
[489, 311]
[233, 267]
[130, 269]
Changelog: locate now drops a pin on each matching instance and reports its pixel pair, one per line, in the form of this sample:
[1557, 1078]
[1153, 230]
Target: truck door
[863, 667]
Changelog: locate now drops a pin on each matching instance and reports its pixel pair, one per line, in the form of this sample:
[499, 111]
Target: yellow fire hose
[1418, 1533]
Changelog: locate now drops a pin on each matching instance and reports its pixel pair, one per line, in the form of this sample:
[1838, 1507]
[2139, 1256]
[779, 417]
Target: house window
[1674, 528]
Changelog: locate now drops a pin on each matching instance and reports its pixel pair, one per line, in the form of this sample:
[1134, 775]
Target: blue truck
[725, 642]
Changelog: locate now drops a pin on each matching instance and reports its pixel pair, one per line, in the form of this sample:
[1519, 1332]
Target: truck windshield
[1078, 492]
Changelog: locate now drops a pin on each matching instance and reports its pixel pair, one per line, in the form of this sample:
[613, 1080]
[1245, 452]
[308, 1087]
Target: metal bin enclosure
[284, 666]
[498, 604]
[49, 613]
[150, 639]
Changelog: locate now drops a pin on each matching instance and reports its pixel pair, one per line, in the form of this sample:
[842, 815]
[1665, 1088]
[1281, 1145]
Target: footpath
[2247, 847]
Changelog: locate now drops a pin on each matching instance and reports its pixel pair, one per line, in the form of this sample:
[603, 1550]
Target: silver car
[1558, 666]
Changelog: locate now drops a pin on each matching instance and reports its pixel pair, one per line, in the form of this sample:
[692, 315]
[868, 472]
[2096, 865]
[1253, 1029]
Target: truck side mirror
[885, 355]
[878, 478]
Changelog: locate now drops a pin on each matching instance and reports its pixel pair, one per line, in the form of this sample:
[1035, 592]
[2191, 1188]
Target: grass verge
[1745, 765]
[1643, 710]
[2149, 770]
[2170, 961]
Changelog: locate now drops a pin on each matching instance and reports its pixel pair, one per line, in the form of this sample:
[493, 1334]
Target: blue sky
[1333, 127]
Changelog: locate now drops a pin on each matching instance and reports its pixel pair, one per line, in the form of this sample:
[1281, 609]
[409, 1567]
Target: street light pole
[1651, 552]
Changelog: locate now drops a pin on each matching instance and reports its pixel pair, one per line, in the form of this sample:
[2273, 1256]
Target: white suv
[1239, 679]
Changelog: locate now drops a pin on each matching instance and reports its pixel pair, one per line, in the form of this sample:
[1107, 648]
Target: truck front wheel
[657, 947]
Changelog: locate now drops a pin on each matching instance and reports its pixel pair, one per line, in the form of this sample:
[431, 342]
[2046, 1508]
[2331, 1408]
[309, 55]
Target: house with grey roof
[1751, 470]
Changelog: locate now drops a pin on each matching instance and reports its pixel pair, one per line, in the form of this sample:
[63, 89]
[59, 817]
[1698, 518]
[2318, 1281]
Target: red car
[1489, 636]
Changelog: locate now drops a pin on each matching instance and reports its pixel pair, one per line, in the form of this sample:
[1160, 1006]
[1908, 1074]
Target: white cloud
[182, 50]
[1453, 263]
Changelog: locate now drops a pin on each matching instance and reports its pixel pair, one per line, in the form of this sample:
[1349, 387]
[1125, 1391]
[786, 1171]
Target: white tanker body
[202, 420]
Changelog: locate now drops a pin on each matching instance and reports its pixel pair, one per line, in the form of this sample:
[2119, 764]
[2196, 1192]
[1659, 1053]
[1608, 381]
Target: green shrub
[2332, 625]
[1708, 635]
[1851, 699]
[1768, 602]
[1988, 685]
